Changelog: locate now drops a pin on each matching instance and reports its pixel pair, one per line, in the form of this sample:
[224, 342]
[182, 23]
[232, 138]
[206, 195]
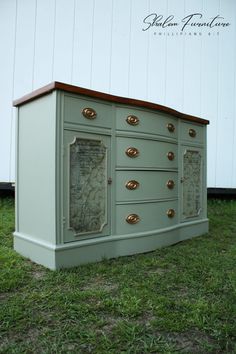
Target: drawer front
[88, 112]
[191, 132]
[146, 153]
[133, 218]
[146, 122]
[146, 185]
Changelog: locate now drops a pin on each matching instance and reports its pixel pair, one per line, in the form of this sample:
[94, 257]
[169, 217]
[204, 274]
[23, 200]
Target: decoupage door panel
[191, 182]
[86, 185]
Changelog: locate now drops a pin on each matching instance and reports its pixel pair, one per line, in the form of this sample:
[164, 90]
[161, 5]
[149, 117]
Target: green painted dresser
[100, 176]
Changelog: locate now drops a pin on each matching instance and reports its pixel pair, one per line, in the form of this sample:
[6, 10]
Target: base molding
[87, 251]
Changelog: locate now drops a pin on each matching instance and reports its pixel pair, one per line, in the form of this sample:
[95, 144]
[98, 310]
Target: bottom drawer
[133, 218]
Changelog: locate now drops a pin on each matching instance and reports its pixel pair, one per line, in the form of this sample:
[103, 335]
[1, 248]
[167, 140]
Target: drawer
[146, 185]
[88, 112]
[145, 122]
[140, 153]
[192, 132]
[134, 218]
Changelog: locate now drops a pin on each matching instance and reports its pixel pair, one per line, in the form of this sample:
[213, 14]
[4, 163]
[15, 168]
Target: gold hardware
[170, 184]
[192, 133]
[132, 120]
[132, 219]
[170, 213]
[170, 155]
[170, 127]
[132, 184]
[89, 113]
[132, 152]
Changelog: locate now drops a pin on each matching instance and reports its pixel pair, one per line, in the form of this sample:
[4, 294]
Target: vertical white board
[233, 179]
[175, 49]
[192, 63]
[209, 91]
[83, 40]
[225, 153]
[157, 54]
[25, 44]
[120, 47]
[44, 37]
[23, 60]
[101, 47]
[63, 41]
[138, 54]
[7, 30]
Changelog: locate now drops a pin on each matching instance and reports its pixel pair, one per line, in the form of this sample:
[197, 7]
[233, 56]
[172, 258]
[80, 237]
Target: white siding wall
[99, 44]
[7, 64]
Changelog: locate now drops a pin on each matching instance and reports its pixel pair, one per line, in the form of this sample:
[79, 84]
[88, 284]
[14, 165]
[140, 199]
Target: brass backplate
[132, 219]
[132, 184]
[132, 120]
[132, 152]
[89, 113]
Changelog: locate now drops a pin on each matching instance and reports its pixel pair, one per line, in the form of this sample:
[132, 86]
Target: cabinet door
[86, 188]
[192, 183]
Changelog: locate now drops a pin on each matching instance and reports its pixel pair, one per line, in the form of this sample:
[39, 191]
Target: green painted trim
[105, 239]
[86, 251]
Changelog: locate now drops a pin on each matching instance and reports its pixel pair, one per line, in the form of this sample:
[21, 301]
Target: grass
[179, 299]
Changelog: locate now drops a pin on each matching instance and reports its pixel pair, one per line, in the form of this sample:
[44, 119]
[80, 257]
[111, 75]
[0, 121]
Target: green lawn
[179, 299]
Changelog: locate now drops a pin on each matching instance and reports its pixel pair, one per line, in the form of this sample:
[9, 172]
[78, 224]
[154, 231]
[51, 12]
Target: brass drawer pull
[170, 213]
[132, 120]
[132, 219]
[171, 127]
[170, 184]
[89, 113]
[132, 184]
[170, 155]
[192, 133]
[132, 152]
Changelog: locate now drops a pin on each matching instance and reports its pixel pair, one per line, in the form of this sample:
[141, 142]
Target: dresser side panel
[36, 168]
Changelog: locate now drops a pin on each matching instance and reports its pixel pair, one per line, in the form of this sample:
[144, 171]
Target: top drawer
[135, 120]
[192, 132]
[82, 111]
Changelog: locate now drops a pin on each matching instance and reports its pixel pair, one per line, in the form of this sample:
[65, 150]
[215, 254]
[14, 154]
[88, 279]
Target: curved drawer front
[81, 111]
[146, 122]
[150, 185]
[191, 132]
[153, 154]
[149, 216]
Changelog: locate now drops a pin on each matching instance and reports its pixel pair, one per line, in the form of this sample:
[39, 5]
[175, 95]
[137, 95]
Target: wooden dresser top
[106, 97]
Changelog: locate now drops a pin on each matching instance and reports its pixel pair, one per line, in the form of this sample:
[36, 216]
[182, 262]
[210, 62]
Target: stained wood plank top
[106, 97]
